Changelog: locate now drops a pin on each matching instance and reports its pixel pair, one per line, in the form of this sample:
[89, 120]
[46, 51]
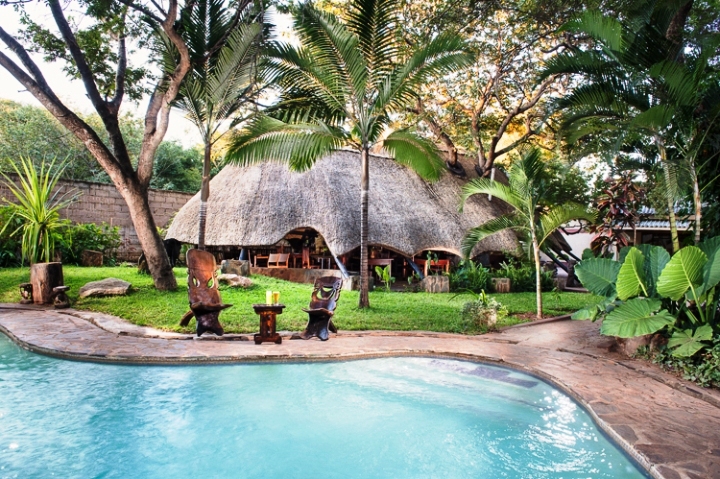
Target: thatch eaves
[258, 205]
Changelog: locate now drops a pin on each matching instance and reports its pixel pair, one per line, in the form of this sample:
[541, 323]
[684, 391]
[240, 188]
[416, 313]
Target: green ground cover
[391, 311]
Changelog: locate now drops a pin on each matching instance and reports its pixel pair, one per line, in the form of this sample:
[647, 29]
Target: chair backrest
[202, 277]
[326, 292]
[306, 257]
[272, 260]
[284, 260]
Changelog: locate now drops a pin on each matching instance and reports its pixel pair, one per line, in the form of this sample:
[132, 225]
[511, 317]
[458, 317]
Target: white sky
[72, 93]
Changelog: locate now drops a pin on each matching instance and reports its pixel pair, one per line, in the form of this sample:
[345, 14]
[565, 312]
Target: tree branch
[64, 115]
[158, 112]
[119, 77]
[142, 9]
[32, 67]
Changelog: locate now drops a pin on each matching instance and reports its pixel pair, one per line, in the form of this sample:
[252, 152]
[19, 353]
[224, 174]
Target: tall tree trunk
[538, 284]
[697, 199]
[670, 194]
[364, 191]
[204, 195]
[152, 244]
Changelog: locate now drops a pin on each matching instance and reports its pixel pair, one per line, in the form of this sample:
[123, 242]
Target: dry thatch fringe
[258, 205]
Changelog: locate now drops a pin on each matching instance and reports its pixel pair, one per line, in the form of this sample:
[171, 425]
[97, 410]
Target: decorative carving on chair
[205, 302]
[325, 295]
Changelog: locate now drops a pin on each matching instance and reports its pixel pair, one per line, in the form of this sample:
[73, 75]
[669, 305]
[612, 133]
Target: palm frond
[269, 139]
[489, 228]
[334, 48]
[559, 215]
[484, 186]
[444, 54]
[416, 152]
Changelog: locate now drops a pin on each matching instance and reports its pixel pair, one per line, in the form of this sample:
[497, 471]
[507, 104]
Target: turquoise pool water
[380, 418]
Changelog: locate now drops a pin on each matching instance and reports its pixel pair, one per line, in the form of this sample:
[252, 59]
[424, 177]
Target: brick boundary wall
[100, 202]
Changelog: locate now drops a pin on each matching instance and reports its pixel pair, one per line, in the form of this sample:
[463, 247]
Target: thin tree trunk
[538, 285]
[204, 195]
[697, 198]
[670, 196]
[364, 191]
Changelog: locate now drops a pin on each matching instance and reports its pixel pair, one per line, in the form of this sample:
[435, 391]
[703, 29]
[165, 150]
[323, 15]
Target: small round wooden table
[268, 314]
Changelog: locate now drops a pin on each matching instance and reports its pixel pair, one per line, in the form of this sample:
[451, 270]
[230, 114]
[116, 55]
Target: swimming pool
[384, 418]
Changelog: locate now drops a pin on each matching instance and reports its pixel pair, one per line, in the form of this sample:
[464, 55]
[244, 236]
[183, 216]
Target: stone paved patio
[670, 426]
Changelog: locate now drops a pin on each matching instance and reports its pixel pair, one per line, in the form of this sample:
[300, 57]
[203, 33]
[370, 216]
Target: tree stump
[44, 277]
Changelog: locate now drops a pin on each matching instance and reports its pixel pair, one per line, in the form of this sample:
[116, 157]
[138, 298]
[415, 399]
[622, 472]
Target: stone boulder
[105, 287]
[236, 267]
[234, 280]
[89, 257]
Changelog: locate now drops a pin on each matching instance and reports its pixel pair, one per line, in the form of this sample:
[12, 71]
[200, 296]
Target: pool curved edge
[65, 337]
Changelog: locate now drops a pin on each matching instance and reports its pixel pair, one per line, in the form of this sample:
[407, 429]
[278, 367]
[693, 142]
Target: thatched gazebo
[258, 205]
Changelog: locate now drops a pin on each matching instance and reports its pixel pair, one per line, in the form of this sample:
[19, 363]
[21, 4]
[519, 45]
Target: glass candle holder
[268, 297]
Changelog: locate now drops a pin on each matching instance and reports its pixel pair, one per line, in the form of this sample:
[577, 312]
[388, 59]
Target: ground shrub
[522, 277]
[469, 276]
[476, 314]
[89, 236]
[10, 238]
[702, 368]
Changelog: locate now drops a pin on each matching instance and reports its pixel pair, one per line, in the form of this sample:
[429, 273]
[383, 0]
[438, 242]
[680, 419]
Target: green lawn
[393, 311]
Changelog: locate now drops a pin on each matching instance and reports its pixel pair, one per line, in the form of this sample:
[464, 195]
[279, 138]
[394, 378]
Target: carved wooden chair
[205, 302]
[325, 295]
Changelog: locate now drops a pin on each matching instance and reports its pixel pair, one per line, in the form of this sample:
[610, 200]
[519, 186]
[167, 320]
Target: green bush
[522, 277]
[471, 276]
[10, 240]
[702, 369]
[476, 315]
[82, 236]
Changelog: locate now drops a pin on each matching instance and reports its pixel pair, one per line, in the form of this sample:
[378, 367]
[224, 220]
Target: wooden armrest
[202, 307]
[319, 310]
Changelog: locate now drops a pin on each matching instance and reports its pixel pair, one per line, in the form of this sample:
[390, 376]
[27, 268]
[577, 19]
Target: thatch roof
[258, 205]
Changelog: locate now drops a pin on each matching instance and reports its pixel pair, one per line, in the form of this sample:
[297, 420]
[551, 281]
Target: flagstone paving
[668, 425]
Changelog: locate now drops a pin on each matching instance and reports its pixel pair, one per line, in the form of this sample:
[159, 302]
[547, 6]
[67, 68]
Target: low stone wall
[299, 275]
[101, 202]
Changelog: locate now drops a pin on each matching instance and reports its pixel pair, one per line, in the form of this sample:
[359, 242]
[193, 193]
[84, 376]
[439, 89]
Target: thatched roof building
[258, 205]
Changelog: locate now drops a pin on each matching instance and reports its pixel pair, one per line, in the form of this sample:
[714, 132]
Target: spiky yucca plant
[340, 87]
[528, 218]
[39, 208]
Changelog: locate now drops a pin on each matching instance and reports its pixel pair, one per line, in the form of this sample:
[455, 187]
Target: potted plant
[38, 204]
[483, 313]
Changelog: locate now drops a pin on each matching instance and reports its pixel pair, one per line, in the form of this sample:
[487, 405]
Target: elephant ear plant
[38, 204]
[648, 291]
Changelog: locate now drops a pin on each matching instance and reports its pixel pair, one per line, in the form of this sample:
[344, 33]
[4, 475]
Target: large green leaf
[598, 275]
[631, 277]
[711, 273]
[685, 270]
[689, 343]
[636, 317]
[710, 245]
[656, 257]
[591, 312]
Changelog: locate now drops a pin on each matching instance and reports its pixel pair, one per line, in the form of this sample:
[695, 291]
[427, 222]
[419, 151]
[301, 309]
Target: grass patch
[146, 306]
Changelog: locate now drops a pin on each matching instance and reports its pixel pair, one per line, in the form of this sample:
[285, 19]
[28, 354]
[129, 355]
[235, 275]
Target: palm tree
[637, 87]
[528, 217]
[341, 88]
[222, 81]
